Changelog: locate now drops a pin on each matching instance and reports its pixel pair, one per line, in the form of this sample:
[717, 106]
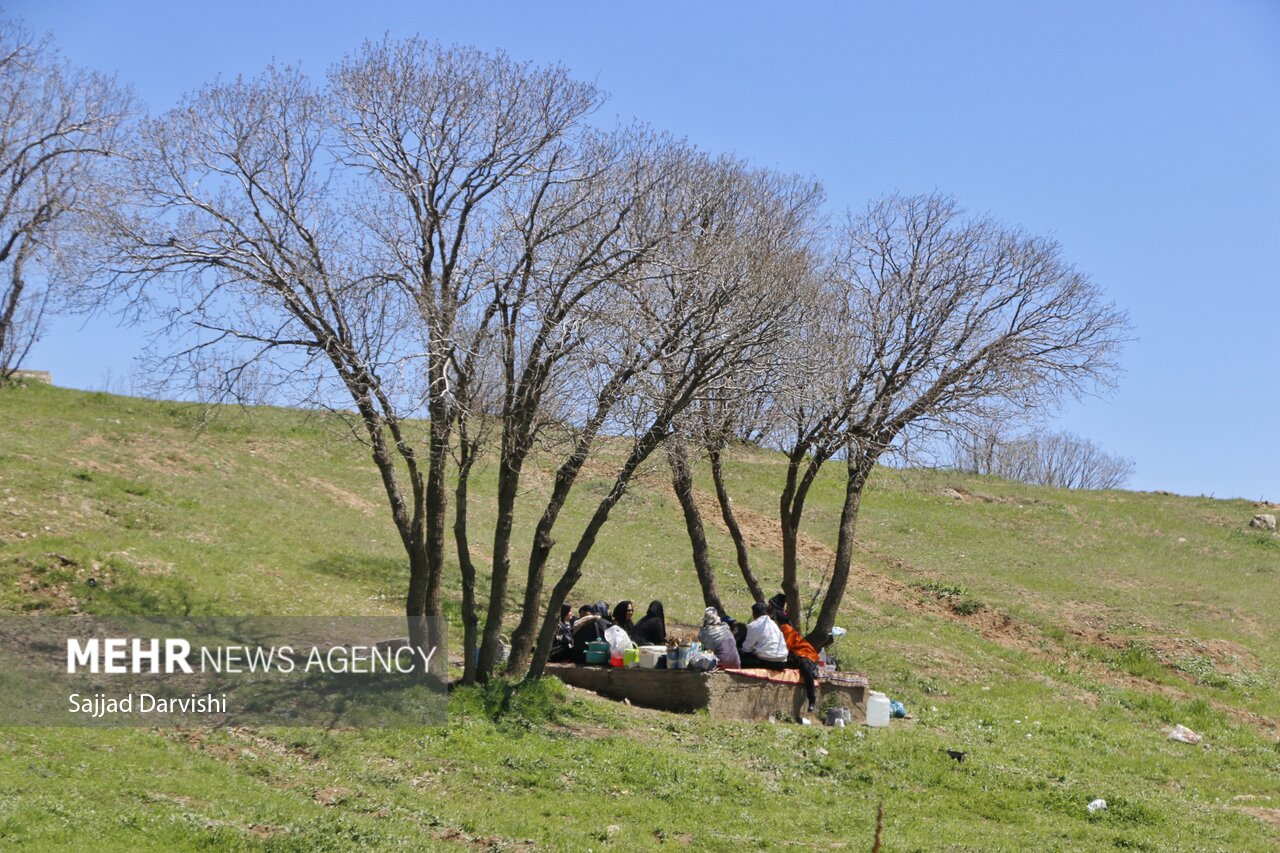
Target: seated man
[764, 645]
[773, 647]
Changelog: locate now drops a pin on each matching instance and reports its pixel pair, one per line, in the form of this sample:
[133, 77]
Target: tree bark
[682, 485]
[525, 635]
[791, 510]
[434, 508]
[731, 523]
[12, 298]
[508, 489]
[466, 566]
[859, 470]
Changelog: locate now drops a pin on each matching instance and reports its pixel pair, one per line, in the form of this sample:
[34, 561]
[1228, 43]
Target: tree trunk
[682, 485]
[465, 564]
[791, 510]
[790, 507]
[424, 618]
[526, 633]
[859, 470]
[416, 610]
[508, 490]
[8, 342]
[573, 571]
[731, 522]
[524, 637]
[435, 510]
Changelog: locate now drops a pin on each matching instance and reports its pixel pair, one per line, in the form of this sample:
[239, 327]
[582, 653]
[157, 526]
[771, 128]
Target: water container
[877, 709]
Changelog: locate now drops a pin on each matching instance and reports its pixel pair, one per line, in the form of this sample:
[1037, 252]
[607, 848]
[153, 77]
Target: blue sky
[1144, 136]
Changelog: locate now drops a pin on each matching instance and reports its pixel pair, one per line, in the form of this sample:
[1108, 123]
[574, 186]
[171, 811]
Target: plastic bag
[702, 662]
[618, 640]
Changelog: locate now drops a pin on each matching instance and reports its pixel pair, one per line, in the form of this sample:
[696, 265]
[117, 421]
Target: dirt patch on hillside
[341, 496]
[145, 451]
[764, 533]
[1271, 817]
[482, 842]
[1238, 618]
[966, 495]
[1227, 657]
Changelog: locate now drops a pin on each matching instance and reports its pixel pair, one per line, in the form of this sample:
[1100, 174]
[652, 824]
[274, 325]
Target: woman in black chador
[652, 629]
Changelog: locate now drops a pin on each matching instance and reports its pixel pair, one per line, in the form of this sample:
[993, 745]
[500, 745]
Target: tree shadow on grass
[383, 576]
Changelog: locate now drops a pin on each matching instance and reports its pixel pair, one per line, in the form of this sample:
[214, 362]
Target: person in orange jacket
[803, 656]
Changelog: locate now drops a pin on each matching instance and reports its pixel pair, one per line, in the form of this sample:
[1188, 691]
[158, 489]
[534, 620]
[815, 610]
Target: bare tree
[572, 242]
[493, 179]
[57, 125]
[774, 235]
[1041, 458]
[940, 319]
[702, 315]
[622, 340]
[346, 236]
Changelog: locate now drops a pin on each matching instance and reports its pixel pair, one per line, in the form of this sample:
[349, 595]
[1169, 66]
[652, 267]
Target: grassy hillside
[1054, 636]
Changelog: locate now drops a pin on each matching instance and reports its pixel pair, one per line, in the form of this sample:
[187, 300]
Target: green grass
[1053, 636]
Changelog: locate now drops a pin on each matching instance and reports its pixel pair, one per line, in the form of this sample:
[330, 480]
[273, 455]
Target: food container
[597, 652]
[650, 655]
[631, 657]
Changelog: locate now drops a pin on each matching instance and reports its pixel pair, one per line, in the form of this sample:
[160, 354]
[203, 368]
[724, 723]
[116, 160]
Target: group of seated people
[768, 641]
[573, 633]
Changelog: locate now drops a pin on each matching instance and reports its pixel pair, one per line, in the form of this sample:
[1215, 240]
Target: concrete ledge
[33, 376]
[725, 695]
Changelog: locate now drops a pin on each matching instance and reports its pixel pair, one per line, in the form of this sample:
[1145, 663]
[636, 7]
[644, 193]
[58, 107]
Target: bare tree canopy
[706, 315]
[434, 244]
[937, 319]
[57, 125]
[1041, 458]
[777, 243]
[339, 236]
[436, 232]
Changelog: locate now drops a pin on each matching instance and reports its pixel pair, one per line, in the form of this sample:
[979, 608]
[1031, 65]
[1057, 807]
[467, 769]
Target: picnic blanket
[792, 676]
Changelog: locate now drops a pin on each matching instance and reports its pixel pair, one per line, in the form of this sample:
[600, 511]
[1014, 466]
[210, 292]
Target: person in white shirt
[764, 645]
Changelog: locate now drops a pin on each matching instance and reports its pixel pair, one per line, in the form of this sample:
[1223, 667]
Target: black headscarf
[623, 619]
[652, 629]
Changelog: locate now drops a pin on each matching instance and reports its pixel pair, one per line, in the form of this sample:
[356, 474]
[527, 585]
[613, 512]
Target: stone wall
[725, 695]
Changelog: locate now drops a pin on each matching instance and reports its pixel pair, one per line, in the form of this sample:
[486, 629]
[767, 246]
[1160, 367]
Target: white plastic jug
[877, 709]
